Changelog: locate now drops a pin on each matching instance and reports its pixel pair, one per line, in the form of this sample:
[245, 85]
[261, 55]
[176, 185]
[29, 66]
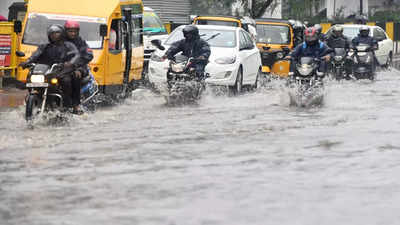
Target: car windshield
[350, 32]
[273, 34]
[152, 24]
[217, 22]
[37, 24]
[217, 38]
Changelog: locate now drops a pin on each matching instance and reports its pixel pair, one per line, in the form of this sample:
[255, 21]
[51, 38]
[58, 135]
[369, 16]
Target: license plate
[37, 85]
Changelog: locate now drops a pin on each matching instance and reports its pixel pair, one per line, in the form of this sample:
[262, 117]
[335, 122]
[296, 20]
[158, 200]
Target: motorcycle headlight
[279, 55]
[156, 58]
[226, 60]
[177, 67]
[37, 79]
[304, 69]
[338, 58]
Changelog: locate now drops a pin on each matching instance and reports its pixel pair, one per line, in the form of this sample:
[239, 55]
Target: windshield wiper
[213, 36]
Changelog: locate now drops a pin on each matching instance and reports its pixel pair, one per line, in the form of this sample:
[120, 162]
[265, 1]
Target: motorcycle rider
[338, 40]
[364, 38]
[191, 46]
[311, 47]
[72, 35]
[57, 50]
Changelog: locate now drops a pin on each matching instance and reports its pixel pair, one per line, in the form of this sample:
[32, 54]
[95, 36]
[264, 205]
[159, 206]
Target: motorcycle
[338, 63]
[183, 83]
[364, 62]
[305, 85]
[45, 93]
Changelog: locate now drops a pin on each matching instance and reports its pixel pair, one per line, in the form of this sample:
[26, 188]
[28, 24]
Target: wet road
[250, 159]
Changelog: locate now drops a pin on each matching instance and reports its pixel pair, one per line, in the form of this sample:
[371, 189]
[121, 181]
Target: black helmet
[364, 31]
[190, 32]
[318, 28]
[54, 29]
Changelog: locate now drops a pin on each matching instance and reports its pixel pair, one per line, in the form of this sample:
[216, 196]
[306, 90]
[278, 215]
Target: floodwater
[250, 160]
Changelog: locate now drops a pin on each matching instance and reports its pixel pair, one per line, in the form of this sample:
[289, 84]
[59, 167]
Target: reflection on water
[250, 159]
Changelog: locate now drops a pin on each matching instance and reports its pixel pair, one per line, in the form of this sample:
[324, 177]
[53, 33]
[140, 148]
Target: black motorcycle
[338, 63]
[45, 93]
[364, 62]
[305, 85]
[183, 82]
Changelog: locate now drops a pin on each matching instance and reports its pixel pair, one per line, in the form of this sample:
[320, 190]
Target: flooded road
[250, 160]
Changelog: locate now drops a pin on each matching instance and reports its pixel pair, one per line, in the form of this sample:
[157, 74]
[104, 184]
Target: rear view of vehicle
[275, 40]
[153, 29]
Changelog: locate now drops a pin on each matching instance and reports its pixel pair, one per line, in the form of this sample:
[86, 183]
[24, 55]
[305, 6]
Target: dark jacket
[338, 42]
[86, 54]
[197, 48]
[364, 40]
[51, 53]
[316, 51]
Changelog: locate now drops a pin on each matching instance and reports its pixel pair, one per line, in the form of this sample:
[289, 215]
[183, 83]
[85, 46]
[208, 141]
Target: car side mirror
[103, 30]
[157, 43]
[17, 26]
[20, 54]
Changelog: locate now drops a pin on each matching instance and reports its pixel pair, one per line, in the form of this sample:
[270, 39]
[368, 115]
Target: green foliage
[385, 16]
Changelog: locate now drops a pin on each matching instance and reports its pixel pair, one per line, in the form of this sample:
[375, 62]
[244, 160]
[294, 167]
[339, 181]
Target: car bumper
[224, 75]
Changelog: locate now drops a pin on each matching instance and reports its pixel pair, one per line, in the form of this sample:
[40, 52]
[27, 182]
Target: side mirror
[20, 54]
[266, 48]
[103, 30]
[17, 26]
[157, 43]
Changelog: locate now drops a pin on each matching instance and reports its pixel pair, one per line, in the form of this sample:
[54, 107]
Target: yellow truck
[112, 29]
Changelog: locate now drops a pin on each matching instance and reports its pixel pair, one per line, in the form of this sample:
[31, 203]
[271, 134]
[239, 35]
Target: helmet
[318, 27]
[71, 24]
[311, 36]
[364, 31]
[190, 32]
[337, 31]
[55, 28]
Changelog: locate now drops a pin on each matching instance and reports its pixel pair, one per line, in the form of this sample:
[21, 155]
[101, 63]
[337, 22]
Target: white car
[235, 60]
[384, 54]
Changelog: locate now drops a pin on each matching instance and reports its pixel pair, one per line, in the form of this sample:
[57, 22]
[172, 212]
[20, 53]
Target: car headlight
[279, 55]
[155, 57]
[226, 60]
[177, 67]
[338, 58]
[37, 79]
[304, 69]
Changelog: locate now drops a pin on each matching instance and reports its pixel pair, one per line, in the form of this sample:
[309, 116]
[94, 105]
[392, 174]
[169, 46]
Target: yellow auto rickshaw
[112, 29]
[275, 41]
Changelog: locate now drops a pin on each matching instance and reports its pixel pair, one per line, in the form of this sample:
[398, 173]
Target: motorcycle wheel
[32, 107]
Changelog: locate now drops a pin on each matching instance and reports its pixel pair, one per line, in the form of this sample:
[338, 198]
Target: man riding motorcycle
[191, 46]
[60, 51]
[311, 47]
[364, 38]
[338, 40]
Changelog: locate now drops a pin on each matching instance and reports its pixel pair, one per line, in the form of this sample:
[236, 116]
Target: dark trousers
[71, 87]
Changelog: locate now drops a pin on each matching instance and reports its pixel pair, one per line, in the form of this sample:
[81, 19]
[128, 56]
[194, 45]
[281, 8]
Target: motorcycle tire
[32, 107]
